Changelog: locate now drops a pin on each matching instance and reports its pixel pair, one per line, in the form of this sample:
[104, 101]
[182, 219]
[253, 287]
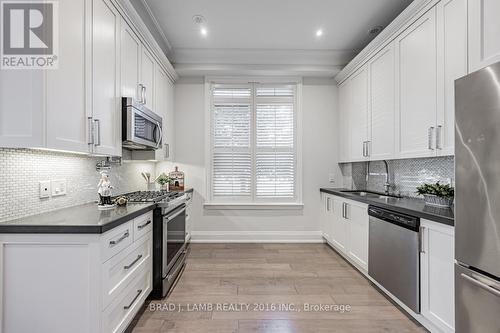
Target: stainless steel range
[170, 246]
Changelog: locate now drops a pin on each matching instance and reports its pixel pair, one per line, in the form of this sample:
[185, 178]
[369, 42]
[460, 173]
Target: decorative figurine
[176, 180]
[104, 190]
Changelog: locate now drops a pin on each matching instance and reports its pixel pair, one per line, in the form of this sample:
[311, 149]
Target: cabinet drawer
[124, 267]
[143, 225]
[122, 309]
[116, 240]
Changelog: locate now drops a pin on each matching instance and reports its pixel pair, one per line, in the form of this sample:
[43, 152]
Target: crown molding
[190, 70]
[133, 18]
[416, 9]
[158, 27]
[262, 56]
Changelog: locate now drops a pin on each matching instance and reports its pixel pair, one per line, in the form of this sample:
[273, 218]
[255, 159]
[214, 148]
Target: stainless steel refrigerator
[477, 203]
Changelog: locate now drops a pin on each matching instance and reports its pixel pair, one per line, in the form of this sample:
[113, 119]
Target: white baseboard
[256, 237]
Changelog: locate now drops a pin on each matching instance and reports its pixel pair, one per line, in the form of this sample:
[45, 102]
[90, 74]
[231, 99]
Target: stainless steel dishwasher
[394, 254]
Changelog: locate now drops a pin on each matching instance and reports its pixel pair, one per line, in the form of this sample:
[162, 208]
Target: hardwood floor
[276, 282]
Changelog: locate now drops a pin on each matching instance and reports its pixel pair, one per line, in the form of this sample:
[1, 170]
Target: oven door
[174, 237]
[142, 128]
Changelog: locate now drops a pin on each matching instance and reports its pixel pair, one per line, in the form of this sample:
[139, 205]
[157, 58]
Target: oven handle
[171, 217]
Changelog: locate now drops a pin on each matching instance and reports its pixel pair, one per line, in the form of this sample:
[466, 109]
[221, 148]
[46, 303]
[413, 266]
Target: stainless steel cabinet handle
[481, 285]
[126, 307]
[144, 95]
[429, 137]
[439, 145]
[141, 94]
[368, 148]
[133, 262]
[114, 242]
[144, 225]
[91, 131]
[364, 148]
[346, 213]
[97, 132]
[421, 239]
[328, 204]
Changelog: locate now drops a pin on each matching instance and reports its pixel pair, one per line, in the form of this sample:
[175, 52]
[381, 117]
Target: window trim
[272, 203]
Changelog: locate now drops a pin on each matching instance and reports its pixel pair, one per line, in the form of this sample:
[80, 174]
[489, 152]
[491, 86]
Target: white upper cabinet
[67, 105]
[147, 78]
[161, 100]
[452, 58]
[169, 123]
[411, 83]
[130, 62]
[484, 32]
[343, 128]
[358, 115]
[106, 101]
[77, 107]
[382, 105]
[22, 108]
[416, 60]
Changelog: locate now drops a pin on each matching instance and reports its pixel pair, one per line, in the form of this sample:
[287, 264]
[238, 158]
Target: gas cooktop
[151, 196]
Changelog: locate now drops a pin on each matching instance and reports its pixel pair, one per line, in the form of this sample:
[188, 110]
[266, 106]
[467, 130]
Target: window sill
[254, 206]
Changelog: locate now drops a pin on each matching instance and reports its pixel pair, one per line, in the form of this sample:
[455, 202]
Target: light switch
[45, 189]
[58, 187]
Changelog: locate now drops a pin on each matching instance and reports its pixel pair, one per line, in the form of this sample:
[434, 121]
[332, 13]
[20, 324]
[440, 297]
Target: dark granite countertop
[410, 206]
[83, 219]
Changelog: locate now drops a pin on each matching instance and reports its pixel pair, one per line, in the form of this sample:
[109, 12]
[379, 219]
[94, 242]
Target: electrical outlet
[58, 187]
[45, 189]
[331, 178]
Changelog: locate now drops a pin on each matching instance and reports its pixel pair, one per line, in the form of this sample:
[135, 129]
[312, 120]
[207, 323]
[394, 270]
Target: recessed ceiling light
[319, 33]
[204, 31]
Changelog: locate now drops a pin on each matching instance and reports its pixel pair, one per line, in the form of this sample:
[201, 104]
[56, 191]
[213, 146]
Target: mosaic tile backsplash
[404, 175]
[22, 169]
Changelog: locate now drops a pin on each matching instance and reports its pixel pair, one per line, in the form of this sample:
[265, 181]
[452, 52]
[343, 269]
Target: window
[253, 143]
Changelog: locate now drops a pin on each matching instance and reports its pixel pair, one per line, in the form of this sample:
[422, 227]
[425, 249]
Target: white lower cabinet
[339, 227]
[437, 275]
[356, 217]
[345, 227]
[79, 283]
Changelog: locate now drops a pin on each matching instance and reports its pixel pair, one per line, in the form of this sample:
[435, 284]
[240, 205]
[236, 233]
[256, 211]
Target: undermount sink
[369, 194]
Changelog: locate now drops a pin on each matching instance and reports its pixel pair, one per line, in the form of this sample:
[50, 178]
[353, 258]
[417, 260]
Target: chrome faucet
[387, 185]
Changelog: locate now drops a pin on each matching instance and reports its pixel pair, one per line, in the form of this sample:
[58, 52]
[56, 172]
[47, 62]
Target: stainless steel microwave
[141, 127]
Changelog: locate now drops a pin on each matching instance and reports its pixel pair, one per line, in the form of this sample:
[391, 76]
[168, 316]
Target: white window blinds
[253, 144]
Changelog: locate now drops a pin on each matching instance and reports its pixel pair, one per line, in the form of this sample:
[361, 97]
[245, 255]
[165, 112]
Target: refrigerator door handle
[481, 285]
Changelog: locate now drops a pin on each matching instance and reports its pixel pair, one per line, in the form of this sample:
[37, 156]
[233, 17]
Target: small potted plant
[437, 194]
[164, 181]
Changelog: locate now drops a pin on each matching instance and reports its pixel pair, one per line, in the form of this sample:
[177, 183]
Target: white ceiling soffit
[253, 35]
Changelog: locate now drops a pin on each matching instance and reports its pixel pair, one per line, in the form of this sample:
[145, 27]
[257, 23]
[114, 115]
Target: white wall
[319, 159]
